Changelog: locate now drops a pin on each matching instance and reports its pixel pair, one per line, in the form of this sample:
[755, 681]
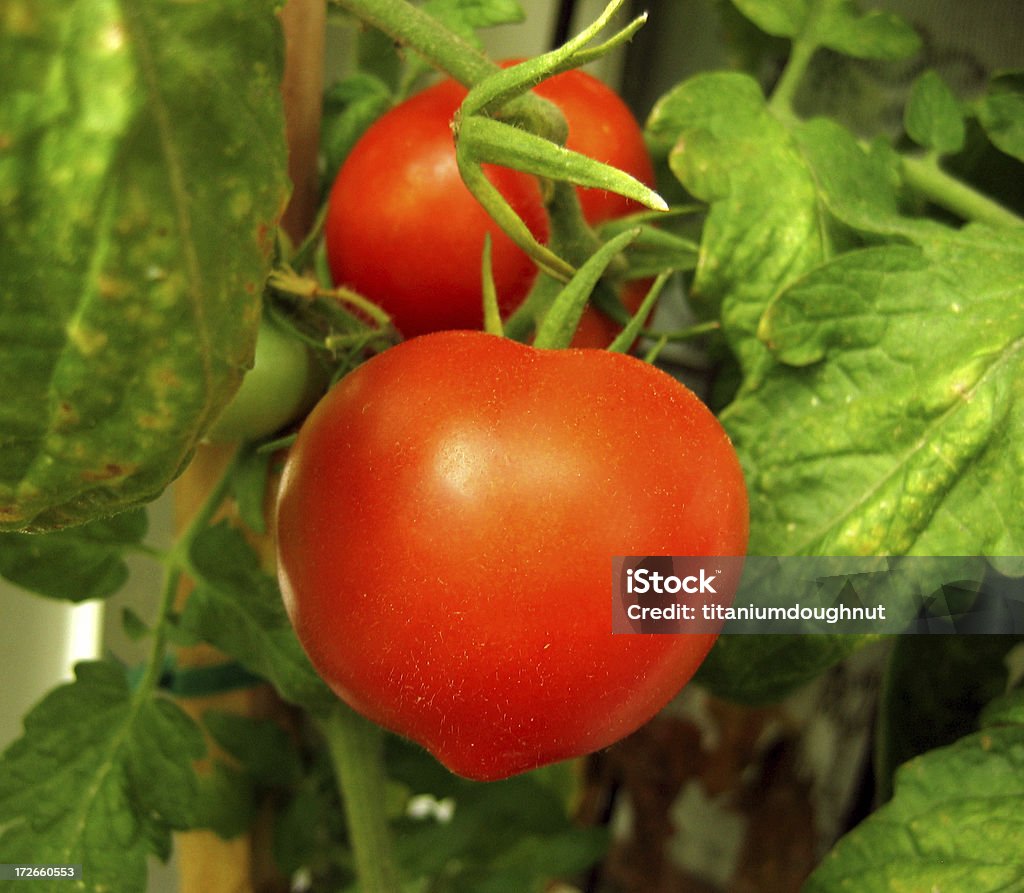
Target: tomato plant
[844, 259]
[403, 229]
[446, 524]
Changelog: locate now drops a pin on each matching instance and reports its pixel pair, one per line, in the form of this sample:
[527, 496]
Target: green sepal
[486, 140]
[559, 324]
[632, 330]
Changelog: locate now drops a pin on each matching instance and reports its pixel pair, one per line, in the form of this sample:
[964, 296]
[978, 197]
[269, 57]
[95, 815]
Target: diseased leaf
[238, 608]
[858, 187]
[954, 823]
[142, 173]
[100, 778]
[894, 421]
[76, 564]
[784, 197]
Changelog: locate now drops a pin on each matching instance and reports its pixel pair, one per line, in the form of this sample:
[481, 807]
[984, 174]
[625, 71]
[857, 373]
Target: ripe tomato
[446, 524]
[403, 230]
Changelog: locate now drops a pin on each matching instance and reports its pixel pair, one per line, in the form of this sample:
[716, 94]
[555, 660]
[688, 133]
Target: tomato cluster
[449, 512]
[403, 229]
[447, 522]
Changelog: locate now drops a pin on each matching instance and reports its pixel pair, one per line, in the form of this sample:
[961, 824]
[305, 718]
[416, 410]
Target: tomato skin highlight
[446, 523]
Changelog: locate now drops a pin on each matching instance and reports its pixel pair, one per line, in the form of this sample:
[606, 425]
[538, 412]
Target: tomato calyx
[482, 138]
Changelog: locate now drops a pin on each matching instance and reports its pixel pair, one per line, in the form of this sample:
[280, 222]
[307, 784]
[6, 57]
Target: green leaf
[99, 778]
[142, 174]
[76, 564]
[226, 801]
[893, 422]
[836, 24]
[1006, 710]
[759, 670]
[954, 823]
[766, 224]
[934, 692]
[871, 35]
[237, 607]
[1001, 113]
[933, 117]
[466, 16]
[350, 107]
[249, 488]
[261, 747]
[135, 628]
[780, 18]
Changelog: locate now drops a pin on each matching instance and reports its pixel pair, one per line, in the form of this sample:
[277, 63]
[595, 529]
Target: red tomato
[446, 524]
[403, 230]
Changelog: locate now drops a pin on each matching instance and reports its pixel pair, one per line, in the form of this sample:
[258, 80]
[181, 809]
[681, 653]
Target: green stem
[695, 331]
[176, 562]
[781, 102]
[492, 312]
[155, 661]
[926, 177]
[412, 27]
[355, 747]
[805, 45]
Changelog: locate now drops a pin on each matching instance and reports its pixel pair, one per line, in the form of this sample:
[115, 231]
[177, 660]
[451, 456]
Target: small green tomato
[281, 385]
